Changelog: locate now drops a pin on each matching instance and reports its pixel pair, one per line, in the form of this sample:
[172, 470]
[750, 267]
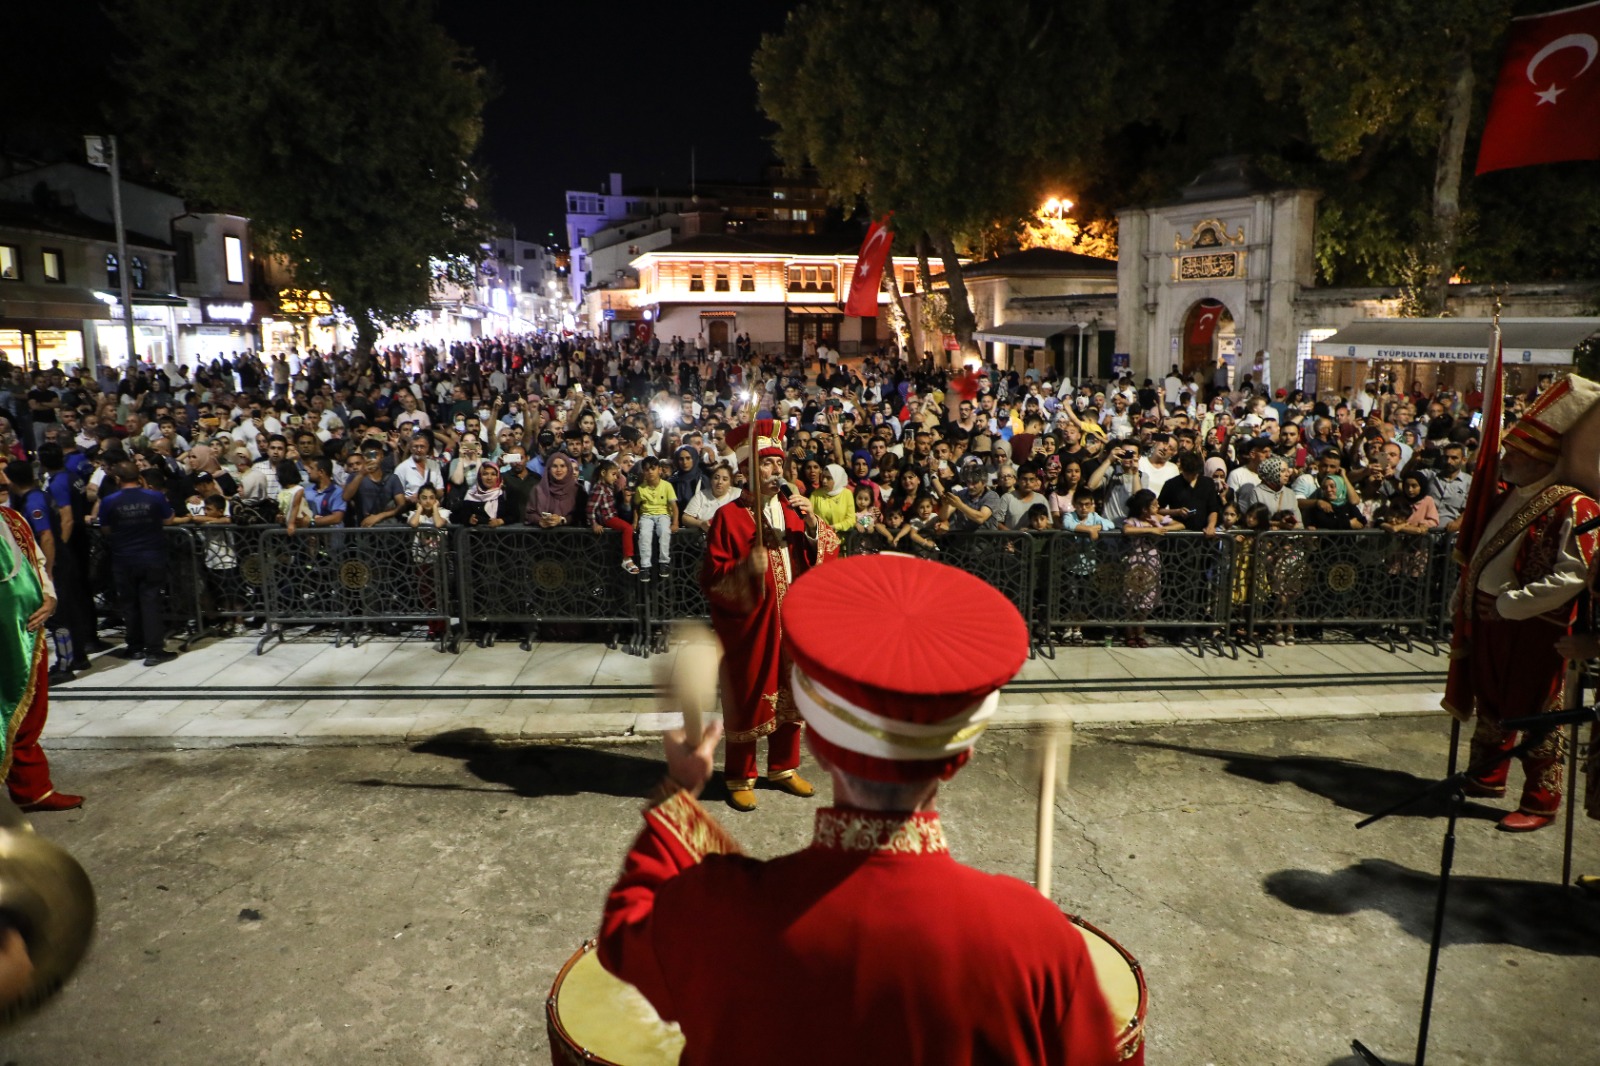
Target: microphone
[787, 490]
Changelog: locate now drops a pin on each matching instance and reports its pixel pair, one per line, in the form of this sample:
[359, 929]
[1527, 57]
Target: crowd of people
[553, 431]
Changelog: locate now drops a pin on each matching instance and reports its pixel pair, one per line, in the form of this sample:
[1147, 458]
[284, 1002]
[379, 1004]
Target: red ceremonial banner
[1546, 106]
[868, 274]
[1482, 497]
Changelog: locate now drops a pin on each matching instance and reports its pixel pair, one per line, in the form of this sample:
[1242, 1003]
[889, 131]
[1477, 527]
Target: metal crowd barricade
[1171, 580]
[1332, 577]
[233, 575]
[1447, 575]
[341, 576]
[541, 577]
[677, 596]
[1004, 558]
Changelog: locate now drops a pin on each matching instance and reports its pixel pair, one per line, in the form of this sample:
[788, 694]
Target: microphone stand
[1535, 729]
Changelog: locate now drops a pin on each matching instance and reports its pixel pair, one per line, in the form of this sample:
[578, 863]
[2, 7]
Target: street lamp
[1056, 208]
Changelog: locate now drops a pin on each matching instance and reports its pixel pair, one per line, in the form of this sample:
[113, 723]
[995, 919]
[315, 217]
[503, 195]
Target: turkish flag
[1205, 323]
[864, 280]
[1546, 106]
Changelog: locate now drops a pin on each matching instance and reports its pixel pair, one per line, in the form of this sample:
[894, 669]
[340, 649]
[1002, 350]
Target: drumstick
[691, 684]
[1045, 854]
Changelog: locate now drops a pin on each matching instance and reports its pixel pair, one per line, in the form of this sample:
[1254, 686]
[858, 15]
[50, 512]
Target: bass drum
[597, 1018]
[1122, 983]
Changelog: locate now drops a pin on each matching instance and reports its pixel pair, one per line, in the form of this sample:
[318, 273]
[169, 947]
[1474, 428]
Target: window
[183, 245]
[10, 262]
[55, 267]
[908, 279]
[747, 278]
[801, 216]
[697, 278]
[778, 194]
[233, 257]
[113, 274]
[138, 272]
[722, 279]
[529, 253]
[825, 279]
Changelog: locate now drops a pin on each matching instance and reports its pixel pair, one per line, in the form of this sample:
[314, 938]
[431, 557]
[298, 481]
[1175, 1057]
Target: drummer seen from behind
[873, 944]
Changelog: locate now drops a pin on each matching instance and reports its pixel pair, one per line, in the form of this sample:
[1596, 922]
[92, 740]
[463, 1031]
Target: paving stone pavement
[309, 691]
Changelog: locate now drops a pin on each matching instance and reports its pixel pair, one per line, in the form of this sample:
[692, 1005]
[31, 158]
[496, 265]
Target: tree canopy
[955, 115]
[344, 129]
[961, 115]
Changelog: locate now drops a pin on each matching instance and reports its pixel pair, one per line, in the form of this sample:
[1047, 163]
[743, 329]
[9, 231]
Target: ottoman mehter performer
[746, 576]
[873, 944]
[27, 599]
[1524, 574]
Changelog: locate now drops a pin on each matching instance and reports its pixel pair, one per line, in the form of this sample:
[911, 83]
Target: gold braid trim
[861, 831]
[36, 669]
[1513, 529]
[688, 823]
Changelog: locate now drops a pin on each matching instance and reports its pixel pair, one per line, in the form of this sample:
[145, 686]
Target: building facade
[783, 291]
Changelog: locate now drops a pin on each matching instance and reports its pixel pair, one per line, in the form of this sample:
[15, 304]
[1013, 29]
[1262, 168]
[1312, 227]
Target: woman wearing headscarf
[834, 502]
[1333, 506]
[558, 498]
[1281, 562]
[482, 504]
[688, 478]
[1279, 499]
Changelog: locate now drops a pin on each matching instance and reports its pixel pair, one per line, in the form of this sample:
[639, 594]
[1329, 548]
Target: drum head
[611, 1020]
[1121, 983]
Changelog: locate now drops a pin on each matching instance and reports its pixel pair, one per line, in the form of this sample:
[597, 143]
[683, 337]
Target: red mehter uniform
[756, 701]
[873, 944]
[1526, 575]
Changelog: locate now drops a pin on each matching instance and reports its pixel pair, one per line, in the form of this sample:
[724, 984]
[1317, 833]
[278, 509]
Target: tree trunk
[925, 275]
[1441, 264]
[900, 317]
[366, 340]
[956, 289]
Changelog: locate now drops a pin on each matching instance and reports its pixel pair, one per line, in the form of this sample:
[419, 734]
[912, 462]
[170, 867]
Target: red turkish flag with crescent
[1546, 106]
[868, 274]
[1205, 324]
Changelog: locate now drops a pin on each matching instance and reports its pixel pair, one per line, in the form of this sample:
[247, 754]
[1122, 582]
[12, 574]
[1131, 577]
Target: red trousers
[1517, 673]
[626, 529]
[783, 753]
[29, 779]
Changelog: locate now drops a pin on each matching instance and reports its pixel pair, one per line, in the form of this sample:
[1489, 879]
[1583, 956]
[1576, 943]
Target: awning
[1024, 334]
[719, 314]
[1546, 341]
[814, 309]
[148, 299]
[50, 301]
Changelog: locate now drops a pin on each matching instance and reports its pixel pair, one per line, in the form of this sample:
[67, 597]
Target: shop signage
[233, 312]
[304, 303]
[1385, 354]
[142, 312]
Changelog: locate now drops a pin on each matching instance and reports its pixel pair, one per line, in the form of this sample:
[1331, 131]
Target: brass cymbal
[49, 899]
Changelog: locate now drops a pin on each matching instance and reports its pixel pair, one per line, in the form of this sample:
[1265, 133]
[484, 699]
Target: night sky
[588, 89]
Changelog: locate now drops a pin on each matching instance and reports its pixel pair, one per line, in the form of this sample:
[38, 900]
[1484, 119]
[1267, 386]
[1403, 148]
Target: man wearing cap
[746, 576]
[895, 952]
[1526, 574]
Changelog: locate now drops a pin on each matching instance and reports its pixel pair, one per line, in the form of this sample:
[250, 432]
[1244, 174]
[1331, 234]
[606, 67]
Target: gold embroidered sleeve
[691, 827]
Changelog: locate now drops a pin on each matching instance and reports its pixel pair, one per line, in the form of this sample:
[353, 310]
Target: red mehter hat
[884, 699]
[1539, 431]
[768, 433]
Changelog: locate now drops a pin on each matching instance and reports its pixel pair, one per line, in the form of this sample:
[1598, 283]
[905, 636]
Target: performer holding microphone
[755, 548]
[873, 944]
